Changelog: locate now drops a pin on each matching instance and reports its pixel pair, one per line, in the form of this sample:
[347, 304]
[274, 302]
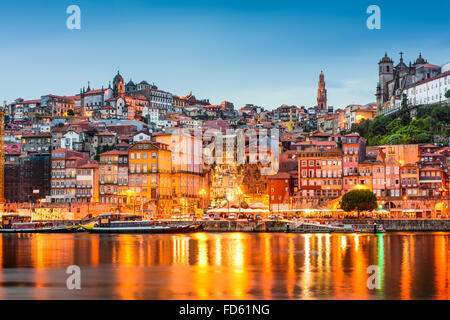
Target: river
[226, 266]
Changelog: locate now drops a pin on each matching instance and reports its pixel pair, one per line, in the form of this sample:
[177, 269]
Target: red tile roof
[114, 153]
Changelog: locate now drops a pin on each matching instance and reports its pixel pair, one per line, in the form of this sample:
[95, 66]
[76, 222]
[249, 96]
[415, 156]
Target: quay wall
[390, 225]
[396, 225]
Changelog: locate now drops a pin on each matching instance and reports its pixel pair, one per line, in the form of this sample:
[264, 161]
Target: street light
[202, 194]
[239, 192]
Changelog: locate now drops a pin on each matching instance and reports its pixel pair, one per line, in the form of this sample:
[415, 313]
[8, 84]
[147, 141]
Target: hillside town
[131, 146]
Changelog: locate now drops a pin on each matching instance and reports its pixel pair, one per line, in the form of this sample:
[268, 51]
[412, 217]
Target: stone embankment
[273, 226]
[390, 225]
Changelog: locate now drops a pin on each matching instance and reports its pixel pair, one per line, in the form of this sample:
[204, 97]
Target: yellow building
[150, 180]
[409, 175]
[113, 176]
[188, 178]
[365, 178]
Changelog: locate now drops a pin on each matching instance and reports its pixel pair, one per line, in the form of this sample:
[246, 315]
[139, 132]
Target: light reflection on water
[225, 266]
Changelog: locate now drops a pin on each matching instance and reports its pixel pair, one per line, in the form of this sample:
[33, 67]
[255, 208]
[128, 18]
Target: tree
[70, 112]
[378, 125]
[447, 94]
[394, 125]
[405, 117]
[441, 113]
[359, 200]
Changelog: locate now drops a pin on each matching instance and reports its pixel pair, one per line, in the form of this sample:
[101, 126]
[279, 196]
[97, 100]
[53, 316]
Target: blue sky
[261, 52]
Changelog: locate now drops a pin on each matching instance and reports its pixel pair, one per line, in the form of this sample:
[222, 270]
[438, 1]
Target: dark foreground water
[226, 266]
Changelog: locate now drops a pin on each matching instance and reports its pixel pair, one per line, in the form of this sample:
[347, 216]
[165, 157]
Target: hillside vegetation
[401, 129]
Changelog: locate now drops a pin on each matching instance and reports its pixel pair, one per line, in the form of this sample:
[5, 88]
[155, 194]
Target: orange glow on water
[227, 266]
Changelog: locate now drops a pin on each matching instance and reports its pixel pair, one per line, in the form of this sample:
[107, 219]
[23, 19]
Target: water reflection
[226, 266]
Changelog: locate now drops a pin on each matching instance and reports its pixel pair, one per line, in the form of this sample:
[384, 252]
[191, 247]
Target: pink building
[354, 152]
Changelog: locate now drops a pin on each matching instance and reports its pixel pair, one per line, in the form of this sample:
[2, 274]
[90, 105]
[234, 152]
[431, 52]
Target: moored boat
[119, 223]
[307, 227]
[20, 224]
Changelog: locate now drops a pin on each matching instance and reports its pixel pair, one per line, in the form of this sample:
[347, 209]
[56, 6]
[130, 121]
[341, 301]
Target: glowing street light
[360, 187]
[202, 194]
[239, 192]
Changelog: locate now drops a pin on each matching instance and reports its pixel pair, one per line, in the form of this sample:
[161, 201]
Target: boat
[316, 227]
[120, 223]
[19, 224]
[309, 227]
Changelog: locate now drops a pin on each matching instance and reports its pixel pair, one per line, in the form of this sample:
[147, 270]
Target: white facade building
[429, 91]
[70, 140]
[95, 99]
[141, 136]
[152, 113]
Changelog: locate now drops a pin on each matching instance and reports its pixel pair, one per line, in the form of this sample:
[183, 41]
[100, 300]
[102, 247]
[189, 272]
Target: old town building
[150, 180]
[113, 177]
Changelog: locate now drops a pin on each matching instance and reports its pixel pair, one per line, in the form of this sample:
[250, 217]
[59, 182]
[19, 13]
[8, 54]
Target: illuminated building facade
[113, 177]
[150, 179]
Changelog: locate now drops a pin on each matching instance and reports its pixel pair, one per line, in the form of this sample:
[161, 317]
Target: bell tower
[322, 93]
[385, 74]
[118, 86]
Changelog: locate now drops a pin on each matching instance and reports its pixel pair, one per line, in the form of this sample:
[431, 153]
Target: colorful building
[113, 171]
[354, 152]
[150, 179]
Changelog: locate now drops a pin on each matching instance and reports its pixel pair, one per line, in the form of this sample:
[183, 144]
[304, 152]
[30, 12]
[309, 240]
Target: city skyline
[230, 61]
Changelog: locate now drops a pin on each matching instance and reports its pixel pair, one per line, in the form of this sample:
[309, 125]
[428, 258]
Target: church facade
[393, 80]
[123, 101]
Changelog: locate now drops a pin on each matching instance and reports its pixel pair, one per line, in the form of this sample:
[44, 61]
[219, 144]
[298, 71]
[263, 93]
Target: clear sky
[248, 51]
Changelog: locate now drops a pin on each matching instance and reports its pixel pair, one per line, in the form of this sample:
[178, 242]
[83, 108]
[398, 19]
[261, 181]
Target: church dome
[118, 78]
[131, 83]
[386, 58]
[420, 60]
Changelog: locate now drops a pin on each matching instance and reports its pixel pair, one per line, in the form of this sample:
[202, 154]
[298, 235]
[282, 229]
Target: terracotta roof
[93, 92]
[316, 143]
[280, 175]
[428, 146]
[105, 133]
[92, 164]
[441, 75]
[114, 153]
[37, 135]
[427, 65]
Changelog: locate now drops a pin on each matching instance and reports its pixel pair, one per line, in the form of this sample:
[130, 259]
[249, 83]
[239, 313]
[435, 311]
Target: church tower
[322, 93]
[118, 86]
[385, 74]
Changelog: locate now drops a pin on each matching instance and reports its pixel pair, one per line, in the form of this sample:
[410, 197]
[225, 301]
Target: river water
[226, 266]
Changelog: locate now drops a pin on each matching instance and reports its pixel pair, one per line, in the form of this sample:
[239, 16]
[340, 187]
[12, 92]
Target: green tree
[362, 128]
[447, 94]
[359, 200]
[394, 125]
[70, 112]
[441, 114]
[378, 126]
[404, 115]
